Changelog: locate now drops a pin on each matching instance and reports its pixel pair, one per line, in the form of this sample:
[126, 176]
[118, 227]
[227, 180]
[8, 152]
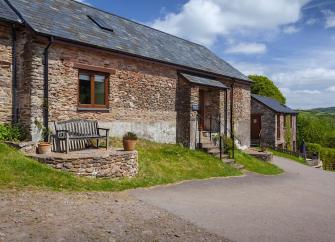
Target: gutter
[15, 109]
[46, 87]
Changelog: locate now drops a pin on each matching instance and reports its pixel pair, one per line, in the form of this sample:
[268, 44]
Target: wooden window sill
[83, 109]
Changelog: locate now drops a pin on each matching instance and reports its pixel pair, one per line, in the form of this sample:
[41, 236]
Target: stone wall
[5, 73]
[145, 97]
[142, 94]
[281, 142]
[94, 163]
[242, 102]
[269, 135]
[268, 123]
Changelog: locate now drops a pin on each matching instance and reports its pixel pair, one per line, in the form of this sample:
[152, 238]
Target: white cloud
[247, 48]
[307, 91]
[331, 89]
[204, 21]
[83, 1]
[330, 18]
[249, 68]
[291, 29]
[311, 21]
[312, 76]
[307, 79]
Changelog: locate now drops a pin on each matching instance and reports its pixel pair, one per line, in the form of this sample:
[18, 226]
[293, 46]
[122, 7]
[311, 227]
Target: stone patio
[262, 155]
[112, 163]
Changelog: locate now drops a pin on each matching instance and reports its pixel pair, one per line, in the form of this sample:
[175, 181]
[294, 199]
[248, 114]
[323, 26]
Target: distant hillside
[322, 110]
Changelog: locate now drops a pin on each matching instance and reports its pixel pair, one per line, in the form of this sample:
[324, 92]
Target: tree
[265, 87]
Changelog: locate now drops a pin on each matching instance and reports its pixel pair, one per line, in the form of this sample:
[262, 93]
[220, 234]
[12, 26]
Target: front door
[256, 126]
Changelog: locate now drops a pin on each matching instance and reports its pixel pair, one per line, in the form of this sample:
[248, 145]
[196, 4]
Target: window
[278, 127]
[93, 89]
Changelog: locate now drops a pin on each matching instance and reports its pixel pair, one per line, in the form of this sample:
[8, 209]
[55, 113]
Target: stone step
[224, 156]
[229, 161]
[237, 166]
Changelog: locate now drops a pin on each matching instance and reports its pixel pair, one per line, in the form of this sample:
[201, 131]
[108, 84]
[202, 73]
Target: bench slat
[80, 133]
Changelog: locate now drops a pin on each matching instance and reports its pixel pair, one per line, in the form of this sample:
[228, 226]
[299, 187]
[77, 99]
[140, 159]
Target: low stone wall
[93, 162]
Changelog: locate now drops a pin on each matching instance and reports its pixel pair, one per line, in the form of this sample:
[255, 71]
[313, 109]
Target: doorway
[256, 126]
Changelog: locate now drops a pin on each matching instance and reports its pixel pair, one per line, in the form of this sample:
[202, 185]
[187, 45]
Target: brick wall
[5, 73]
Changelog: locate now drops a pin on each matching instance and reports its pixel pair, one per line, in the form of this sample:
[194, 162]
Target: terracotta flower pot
[129, 145]
[44, 148]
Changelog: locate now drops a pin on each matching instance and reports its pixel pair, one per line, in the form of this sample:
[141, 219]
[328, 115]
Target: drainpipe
[14, 78]
[231, 118]
[46, 88]
[225, 113]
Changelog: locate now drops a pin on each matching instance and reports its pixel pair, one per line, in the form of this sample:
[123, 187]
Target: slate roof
[7, 14]
[274, 104]
[203, 81]
[68, 20]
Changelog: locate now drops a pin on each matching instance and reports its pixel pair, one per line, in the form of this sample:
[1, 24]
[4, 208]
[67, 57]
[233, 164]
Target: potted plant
[263, 148]
[129, 141]
[43, 147]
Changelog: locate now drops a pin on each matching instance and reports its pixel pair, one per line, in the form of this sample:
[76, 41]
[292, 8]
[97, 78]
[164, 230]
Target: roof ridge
[133, 21]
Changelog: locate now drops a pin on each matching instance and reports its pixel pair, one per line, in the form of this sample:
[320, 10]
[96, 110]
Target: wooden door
[256, 126]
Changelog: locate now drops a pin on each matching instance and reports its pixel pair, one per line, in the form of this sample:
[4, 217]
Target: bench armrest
[106, 130]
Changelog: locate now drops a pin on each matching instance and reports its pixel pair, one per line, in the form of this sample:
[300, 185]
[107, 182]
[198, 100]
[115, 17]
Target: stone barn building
[271, 122]
[61, 60]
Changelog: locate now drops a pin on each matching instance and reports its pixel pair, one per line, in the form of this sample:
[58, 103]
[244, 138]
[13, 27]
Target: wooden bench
[77, 135]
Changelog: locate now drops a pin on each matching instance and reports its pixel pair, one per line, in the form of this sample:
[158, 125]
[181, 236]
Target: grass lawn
[288, 156]
[158, 164]
[255, 165]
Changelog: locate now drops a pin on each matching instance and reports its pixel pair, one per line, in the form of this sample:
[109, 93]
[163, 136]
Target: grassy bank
[158, 164]
[288, 156]
[255, 165]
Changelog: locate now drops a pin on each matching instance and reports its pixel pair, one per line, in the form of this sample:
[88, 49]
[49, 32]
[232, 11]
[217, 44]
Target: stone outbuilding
[62, 59]
[272, 124]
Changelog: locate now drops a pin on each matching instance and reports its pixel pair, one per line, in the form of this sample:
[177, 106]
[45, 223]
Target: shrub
[228, 145]
[12, 132]
[130, 136]
[327, 155]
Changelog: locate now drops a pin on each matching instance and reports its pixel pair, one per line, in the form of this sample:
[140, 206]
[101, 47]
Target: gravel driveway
[298, 205]
[47, 216]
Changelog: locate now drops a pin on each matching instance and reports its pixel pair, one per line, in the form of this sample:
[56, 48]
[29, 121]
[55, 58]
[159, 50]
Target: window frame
[91, 74]
[278, 127]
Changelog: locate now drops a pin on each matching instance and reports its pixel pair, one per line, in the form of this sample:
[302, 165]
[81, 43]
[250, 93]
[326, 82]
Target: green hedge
[327, 155]
[10, 132]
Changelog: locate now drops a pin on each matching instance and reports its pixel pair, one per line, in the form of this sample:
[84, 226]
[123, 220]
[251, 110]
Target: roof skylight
[100, 22]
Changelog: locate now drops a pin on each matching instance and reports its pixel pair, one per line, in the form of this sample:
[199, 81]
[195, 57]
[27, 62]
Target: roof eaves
[134, 55]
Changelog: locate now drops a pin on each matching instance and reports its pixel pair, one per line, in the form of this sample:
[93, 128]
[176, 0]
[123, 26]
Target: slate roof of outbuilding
[68, 20]
[7, 14]
[273, 104]
[203, 81]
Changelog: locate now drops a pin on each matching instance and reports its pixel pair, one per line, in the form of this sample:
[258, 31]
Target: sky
[290, 41]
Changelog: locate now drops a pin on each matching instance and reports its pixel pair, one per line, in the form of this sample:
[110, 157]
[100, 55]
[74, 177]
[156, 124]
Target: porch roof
[203, 81]
[273, 104]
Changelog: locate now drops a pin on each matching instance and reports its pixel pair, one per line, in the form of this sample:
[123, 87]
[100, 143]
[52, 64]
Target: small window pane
[84, 77]
[84, 89]
[99, 89]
